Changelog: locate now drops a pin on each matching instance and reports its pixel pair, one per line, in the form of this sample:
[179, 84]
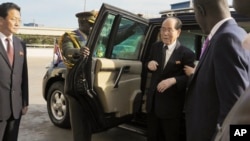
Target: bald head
[210, 12]
[242, 6]
[213, 6]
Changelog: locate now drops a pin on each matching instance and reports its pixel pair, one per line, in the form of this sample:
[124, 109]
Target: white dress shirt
[169, 52]
[3, 40]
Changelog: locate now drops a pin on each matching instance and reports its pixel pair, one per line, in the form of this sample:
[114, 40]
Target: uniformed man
[73, 43]
[72, 48]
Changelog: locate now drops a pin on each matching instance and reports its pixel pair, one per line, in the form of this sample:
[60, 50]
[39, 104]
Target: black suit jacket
[14, 81]
[169, 104]
[221, 76]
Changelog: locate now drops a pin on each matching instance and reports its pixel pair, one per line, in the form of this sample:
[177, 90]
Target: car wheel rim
[58, 105]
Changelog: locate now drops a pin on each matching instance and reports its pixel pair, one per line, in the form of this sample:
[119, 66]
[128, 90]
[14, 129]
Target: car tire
[57, 105]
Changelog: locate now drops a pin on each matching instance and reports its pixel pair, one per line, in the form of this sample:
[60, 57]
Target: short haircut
[178, 24]
[5, 7]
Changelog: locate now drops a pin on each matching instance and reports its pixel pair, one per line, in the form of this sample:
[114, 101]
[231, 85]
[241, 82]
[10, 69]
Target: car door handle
[123, 69]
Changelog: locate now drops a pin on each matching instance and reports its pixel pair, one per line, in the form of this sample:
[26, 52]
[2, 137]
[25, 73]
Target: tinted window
[101, 45]
[127, 39]
[193, 40]
[188, 39]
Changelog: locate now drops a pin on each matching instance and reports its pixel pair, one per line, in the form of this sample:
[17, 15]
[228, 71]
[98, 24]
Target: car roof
[187, 16]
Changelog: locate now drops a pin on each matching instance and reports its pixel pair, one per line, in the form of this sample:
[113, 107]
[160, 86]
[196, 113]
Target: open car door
[116, 43]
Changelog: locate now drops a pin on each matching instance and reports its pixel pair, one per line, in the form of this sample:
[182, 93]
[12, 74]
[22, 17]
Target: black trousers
[9, 129]
[164, 129]
[80, 125]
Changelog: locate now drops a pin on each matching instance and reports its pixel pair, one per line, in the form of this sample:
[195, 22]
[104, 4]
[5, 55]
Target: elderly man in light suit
[13, 73]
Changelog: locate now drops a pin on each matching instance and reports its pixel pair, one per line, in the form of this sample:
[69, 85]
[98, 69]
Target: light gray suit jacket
[13, 81]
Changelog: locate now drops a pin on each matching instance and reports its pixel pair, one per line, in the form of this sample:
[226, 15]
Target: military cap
[90, 16]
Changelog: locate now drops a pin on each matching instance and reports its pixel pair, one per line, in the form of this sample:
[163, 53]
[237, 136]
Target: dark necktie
[205, 44]
[164, 49]
[10, 51]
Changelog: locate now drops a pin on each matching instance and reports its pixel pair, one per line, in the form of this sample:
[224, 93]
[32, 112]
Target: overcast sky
[61, 13]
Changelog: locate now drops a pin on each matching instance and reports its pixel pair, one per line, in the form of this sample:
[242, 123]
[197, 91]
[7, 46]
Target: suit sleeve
[153, 54]
[188, 59]
[25, 85]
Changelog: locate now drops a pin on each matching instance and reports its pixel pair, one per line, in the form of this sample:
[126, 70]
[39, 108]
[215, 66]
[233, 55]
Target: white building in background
[43, 31]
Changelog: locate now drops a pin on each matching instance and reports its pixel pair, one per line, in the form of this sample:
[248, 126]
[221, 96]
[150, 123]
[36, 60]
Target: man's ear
[201, 9]
[1, 21]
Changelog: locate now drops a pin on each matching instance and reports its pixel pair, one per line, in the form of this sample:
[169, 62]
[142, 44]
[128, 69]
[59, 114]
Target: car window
[101, 45]
[192, 39]
[127, 40]
[188, 39]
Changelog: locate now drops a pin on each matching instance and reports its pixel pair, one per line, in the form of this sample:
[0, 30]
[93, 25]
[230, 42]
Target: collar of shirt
[171, 46]
[169, 52]
[217, 26]
[3, 37]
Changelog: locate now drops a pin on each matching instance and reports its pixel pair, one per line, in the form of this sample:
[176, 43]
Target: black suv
[117, 65]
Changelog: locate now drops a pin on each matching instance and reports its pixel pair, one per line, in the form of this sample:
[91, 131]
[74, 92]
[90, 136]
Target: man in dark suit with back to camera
[239, 114]
[222, 73]
[14, 73]
[165, 98]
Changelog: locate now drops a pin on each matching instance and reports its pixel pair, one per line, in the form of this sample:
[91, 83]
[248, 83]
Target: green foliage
[38, 39]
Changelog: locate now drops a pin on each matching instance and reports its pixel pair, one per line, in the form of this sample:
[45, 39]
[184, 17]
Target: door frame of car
[116, 81]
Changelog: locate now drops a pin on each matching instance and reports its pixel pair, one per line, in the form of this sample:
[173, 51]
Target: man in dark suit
[166, 95]
[14, 73]
[239, 114]
[222, 73]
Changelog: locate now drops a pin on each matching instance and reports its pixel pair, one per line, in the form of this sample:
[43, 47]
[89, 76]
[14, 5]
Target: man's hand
[84, 51]
[152, 65]
[188, 70]
[165, 84]
[246, 42]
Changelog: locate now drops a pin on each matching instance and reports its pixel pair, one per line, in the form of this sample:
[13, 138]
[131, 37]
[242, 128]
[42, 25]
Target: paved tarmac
[36, 125]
